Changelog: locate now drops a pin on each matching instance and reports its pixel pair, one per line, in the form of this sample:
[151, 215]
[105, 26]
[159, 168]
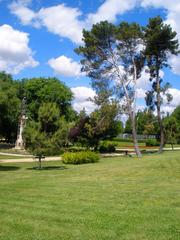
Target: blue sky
[38, 37]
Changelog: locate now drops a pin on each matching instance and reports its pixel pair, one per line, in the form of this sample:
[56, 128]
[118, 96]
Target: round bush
[80, 157]
[152, 143]
[107, 148]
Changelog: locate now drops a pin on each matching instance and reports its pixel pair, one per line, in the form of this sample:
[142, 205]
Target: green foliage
[80, 157]
[176, 115]
[107, 148]
[171, 130]
[45, 90]
[9, 107]
[100, 124]
[152, 143]
[49, 134]
[146, 122]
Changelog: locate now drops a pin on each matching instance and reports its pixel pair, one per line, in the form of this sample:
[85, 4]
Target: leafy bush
[80, 157]
[152, 143]
[107, 148]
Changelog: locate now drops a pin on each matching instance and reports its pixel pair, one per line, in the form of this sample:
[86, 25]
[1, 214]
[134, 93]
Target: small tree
[100, 124]
[160, 42]
[49, 134]
[171, 130]
[113, 60]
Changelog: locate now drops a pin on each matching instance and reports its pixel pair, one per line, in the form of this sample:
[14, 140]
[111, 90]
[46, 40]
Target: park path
[29, 158]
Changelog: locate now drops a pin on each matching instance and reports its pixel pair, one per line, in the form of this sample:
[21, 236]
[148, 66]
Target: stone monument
[22, 121]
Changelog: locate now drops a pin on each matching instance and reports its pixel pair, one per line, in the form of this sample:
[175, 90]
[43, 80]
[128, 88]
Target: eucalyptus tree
[160, 42]
[112, 58]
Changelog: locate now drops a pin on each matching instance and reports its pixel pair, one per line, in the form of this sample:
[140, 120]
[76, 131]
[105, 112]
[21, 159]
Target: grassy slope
[120, 198]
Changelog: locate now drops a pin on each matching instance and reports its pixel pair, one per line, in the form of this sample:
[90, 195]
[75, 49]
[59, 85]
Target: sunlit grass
[119, 198]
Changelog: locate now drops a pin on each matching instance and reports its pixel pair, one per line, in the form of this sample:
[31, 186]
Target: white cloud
[169, 107]
[175, 64]
[25, 14]
[62, 20]
[141, 93]
[21, 9]
[15, 53]
[110, 9]
[59, 19]
[66, 66]
[81, 99]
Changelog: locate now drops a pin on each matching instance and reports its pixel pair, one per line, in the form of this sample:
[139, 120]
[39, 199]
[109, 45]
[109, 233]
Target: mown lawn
[4, 157]
[121, 198]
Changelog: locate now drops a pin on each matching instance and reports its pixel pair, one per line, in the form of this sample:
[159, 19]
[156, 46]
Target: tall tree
[113, 60]
[160, 42]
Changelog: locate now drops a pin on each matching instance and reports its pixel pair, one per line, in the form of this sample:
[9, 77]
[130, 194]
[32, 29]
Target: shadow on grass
[48, 168]
[6, 145]
[9, 168]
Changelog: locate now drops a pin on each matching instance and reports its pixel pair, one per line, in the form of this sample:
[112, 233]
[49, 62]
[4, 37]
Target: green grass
[119, 198]
[4, 157]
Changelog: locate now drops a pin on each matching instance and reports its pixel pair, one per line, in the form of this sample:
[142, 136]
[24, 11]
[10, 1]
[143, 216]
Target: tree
[176, 115]
[49, 134]
[113, 60]
[146, 122]
[9, 107]
[160, 42]
[40, 90]
[171, 130]
[100, 124]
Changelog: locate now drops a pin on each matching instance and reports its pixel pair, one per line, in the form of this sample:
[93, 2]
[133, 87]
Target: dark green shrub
[107, 148]
[152, 143]
[80, 157]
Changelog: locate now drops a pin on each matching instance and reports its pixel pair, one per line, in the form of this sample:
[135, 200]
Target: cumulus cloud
[62, 20]
[110, 9]
[20, 9]
[15, 53]
[81, 99]
[66, 66]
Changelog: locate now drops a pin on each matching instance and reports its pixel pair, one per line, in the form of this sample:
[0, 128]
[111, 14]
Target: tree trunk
[161, 136]
[158, 98]
[134, 134]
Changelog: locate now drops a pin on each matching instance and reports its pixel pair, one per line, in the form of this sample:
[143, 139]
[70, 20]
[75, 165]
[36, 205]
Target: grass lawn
[10, 157]
[116, 199]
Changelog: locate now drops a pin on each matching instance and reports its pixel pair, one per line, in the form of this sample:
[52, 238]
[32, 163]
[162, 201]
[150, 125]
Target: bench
[39, 157]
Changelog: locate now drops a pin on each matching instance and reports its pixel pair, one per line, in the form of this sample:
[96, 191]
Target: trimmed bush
[107, 148]
[152, 143]
[80, 157]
